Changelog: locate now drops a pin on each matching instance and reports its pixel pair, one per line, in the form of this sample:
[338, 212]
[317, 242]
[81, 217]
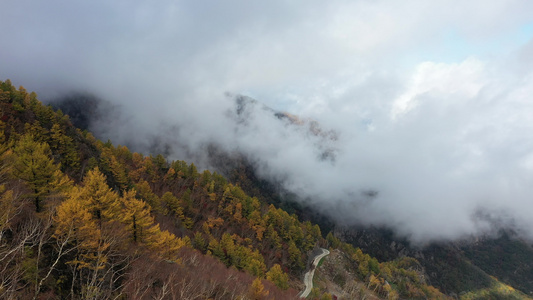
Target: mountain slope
[86, 219]
[81, 218]
[456, 268]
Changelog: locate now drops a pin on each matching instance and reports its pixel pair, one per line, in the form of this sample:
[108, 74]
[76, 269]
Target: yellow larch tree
[76, 226]
[257, 290]
[77, 231]
[167, 245]
[34, 166]
[64, 146]
[100, 200]
[278, 277]
[136, 216]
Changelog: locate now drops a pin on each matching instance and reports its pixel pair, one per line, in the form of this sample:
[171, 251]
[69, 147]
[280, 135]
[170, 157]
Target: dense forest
[85, 219]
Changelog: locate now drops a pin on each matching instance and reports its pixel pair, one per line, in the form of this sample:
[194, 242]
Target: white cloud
[456, 81]
[438, 134]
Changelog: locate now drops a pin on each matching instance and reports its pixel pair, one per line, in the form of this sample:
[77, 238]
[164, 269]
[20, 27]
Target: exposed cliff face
[246, 109]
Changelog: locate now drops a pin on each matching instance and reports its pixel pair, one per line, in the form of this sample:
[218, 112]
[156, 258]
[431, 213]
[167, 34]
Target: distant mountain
[246, 107]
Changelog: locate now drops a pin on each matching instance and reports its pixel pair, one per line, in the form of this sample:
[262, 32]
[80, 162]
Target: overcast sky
[432, 101]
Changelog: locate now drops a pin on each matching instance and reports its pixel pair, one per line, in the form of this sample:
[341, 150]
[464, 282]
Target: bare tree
[12, 249]
[62, 248]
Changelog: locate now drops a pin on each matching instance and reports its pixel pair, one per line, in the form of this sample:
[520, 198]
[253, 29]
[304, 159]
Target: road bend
[308, 277]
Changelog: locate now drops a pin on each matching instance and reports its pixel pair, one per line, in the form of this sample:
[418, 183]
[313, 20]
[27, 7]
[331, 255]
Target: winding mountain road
[308, 277]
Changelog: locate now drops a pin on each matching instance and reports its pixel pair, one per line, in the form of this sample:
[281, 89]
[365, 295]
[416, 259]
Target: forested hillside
[85, 219]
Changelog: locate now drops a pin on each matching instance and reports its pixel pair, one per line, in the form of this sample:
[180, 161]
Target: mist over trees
[429, 103]
[84, 218]
[109, 222]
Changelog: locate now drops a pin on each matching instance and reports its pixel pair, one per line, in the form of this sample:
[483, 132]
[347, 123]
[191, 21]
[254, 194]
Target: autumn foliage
[84, 219]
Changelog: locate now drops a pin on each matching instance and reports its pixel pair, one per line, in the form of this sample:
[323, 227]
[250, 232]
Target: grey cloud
[441, 142]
